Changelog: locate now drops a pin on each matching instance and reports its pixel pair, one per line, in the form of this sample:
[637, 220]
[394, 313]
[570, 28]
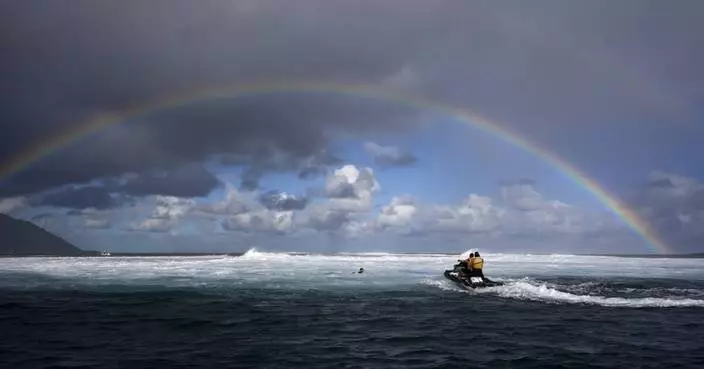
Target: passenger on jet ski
[465, 264]
[468, 265]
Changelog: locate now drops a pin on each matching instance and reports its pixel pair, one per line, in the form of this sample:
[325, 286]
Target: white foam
[382, 270]
[527, 291]
[252, 253]
[444, 285]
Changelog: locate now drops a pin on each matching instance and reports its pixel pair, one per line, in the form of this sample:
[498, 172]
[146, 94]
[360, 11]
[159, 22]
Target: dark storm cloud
[187, 181]
[276, 200]
[673, 205]
[266, 160]
[81, 198]
[659, 183]
[250, 179]
[97, 58]
[318, 166]
[291, 126]
[547, 67]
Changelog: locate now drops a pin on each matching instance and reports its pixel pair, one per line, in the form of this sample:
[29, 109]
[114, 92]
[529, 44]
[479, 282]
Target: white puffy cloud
[477, 214]
[347, 211]
[323, 219]
[154, 225]
[522, 195]
[348, 197]
[360, 180]
[351, 189]
[523, 212]
[548, 217]
[262, 220]
[233, 203]
[282, 201]
[520, 214]
[170, 207]
[398, 213]
[250, 212]
[358, 229]
[167, 213]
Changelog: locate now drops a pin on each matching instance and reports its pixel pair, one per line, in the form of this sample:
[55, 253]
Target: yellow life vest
[477, 263]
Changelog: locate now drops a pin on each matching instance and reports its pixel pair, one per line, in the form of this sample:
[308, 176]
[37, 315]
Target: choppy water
[308, 311]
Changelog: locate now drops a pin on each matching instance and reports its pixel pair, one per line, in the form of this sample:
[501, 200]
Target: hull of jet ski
[470, 282]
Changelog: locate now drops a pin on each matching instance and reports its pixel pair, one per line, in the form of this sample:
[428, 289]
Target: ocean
[275, 310]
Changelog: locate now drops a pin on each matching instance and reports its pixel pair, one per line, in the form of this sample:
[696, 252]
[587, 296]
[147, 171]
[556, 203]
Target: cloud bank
[544, 71]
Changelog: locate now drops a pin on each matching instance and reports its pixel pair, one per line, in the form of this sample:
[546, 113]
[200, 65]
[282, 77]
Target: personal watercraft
[459, 275]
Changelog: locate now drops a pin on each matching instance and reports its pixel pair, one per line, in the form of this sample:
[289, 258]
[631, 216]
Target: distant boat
[105, 253]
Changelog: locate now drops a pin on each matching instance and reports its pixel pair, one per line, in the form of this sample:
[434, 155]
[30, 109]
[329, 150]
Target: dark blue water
[133, 326]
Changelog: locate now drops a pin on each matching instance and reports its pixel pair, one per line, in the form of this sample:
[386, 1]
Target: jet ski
[459, 276]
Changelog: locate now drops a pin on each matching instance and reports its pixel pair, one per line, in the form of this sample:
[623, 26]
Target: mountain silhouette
[20, 237]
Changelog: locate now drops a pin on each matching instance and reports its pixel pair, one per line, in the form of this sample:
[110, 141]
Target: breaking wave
[253, 253]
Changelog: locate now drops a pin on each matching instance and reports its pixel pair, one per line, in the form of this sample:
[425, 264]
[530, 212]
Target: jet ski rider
[476, 264]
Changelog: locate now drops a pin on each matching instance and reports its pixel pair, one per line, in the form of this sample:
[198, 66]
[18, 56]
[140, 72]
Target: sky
[612, 89]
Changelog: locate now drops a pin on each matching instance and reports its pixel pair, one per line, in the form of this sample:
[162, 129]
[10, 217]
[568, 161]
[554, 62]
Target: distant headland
[22, 238]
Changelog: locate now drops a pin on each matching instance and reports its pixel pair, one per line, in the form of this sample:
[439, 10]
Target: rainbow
[45, 148]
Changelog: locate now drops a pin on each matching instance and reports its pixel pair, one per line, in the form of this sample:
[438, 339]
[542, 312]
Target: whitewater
[607, 281]
[284, 310]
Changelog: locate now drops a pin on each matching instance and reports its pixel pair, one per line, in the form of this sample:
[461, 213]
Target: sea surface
[268, 310]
